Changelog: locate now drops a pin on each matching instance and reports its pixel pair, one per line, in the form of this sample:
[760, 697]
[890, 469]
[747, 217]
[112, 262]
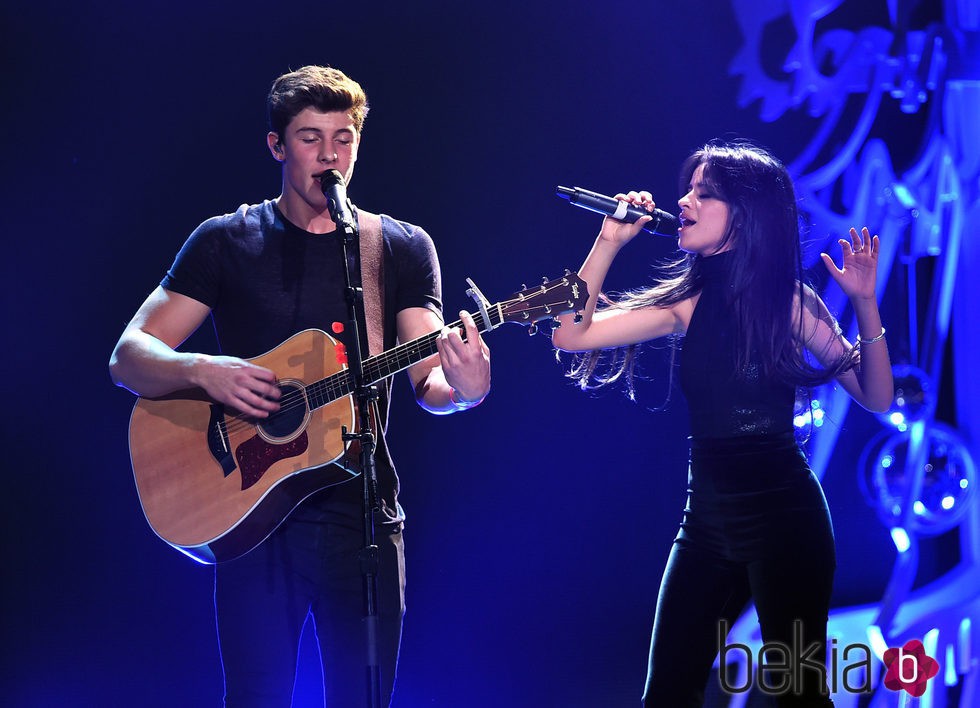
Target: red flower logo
[909, 668]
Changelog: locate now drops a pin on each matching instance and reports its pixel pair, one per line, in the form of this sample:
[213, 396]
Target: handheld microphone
[335, 190]
[662, 224]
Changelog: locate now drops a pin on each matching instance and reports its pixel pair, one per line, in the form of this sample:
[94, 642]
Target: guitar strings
[339, 384]
[334, 385]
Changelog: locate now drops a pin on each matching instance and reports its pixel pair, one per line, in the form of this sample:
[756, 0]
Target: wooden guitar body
[212, 483]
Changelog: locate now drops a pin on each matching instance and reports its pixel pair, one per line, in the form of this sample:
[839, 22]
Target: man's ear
[275, 146]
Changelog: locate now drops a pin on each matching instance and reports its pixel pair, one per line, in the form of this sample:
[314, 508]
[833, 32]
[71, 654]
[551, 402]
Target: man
[262, 274]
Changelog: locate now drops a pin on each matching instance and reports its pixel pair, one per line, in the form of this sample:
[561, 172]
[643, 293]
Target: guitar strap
[372, 277]
[371, 312]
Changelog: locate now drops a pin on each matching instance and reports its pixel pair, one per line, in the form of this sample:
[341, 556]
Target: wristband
[873, 339]
[459, 403]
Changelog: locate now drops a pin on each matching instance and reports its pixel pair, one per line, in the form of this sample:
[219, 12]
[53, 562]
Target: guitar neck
[381, 366]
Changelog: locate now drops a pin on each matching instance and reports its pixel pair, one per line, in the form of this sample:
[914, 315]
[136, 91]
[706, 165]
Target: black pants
[756, 527]
[263, 599]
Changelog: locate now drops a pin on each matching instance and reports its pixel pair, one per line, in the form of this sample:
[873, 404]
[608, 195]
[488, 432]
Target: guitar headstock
[559, 296]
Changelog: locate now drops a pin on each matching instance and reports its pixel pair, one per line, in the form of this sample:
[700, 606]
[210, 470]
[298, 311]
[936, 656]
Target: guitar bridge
[218, 443]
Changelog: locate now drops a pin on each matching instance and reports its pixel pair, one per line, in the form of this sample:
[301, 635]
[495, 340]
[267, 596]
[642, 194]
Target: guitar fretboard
[399, 358]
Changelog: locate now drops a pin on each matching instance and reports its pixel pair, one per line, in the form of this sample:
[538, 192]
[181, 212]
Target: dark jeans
[756, 527]
[262, 601]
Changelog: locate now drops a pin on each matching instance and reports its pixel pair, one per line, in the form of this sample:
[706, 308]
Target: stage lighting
[809, 414]
[946, 489]
[914, 399]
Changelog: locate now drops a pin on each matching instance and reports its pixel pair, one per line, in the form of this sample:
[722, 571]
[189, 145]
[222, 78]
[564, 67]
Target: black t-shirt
[265, 279]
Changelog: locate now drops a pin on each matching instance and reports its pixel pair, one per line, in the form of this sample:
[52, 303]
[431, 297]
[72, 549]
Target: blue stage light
[914, 399]
[938, 489]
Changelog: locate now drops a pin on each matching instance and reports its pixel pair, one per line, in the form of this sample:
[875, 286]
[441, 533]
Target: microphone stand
[367, 396]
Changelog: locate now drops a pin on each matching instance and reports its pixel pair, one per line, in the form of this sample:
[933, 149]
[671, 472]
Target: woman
[756, 525]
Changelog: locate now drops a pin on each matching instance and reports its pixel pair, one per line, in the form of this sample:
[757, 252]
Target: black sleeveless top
[722, 403]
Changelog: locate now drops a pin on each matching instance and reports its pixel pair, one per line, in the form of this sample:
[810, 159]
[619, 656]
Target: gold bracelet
[873, 339]
[461, 404]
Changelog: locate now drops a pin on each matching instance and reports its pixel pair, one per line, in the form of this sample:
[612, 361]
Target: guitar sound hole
[290, 416]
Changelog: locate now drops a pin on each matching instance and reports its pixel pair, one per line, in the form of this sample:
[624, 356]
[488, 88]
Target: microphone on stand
[335, 190]
[662, 224]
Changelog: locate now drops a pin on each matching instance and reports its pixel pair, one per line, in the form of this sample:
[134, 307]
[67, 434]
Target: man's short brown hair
[321, 87]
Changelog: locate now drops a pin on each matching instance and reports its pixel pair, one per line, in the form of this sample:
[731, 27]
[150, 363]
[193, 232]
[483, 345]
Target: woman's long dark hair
[767, 272]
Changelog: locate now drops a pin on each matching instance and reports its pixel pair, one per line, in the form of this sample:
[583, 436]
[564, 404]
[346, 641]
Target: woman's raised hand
[858, 272]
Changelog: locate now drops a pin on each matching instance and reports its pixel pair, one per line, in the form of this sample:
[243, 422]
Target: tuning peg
[555, 322]
[577, 318]
[532, 330]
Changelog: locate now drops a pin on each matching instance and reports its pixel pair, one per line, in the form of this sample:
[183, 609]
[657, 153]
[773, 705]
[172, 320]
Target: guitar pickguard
[255, 456]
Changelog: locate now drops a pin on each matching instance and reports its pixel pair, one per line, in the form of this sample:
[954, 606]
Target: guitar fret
[381, 366]
[399, 358]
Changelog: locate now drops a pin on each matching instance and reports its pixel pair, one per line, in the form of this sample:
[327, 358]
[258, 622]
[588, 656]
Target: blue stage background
[539, 523]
